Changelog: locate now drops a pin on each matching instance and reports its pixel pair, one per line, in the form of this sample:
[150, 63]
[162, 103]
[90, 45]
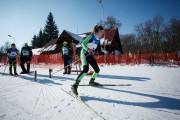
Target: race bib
[13, 54]
[25, 53]
[92, 46]
[65, 51]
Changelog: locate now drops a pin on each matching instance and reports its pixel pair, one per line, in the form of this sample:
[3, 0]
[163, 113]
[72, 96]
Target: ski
[105, 85]
[81, 101]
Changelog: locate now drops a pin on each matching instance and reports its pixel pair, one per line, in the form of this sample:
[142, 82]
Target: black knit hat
[12, 44]
[98, 28]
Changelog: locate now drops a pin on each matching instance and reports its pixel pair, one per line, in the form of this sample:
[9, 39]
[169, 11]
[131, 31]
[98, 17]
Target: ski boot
[10, 71]
[23, 72]
[65, 73]
[74, 89]
[15, 73]
[92, 83]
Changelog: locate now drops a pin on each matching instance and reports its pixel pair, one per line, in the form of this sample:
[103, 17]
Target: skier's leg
[14, 66]
[95, 66]
[28, 66]
[69, 69]
[85, 64]
[10, 67]
[65, 66]
[22, 66]
[83, 73]
[79, 78]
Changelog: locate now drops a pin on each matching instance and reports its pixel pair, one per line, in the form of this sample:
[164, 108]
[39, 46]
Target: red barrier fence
[125, 59]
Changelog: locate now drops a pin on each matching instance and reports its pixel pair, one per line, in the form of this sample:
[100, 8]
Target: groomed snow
[154, 94]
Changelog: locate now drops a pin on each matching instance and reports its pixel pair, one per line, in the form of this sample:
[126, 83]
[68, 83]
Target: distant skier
[90, 44]
[26, 56]
[12, 54]
[66, 56]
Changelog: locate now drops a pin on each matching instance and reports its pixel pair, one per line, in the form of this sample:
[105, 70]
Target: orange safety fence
[53, 60]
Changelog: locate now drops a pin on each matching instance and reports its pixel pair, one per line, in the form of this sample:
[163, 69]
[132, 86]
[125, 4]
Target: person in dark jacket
[12, 54]
[26, 57]
[66, 57]
[89, 45]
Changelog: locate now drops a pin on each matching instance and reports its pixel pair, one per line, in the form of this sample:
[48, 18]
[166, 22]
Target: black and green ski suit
[91, 42]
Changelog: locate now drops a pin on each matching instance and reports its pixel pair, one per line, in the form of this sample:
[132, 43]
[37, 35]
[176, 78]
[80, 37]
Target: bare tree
[128, 42]
[172, 35]
[110, 22]
[149, 35]
[7, 45]
[4, 47]
[157, 27]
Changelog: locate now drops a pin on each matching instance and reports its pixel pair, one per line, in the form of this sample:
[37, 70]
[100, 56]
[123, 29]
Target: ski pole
[70, 64]
[5, 67]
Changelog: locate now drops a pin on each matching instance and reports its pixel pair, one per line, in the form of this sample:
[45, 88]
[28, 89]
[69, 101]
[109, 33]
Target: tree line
[153, 36]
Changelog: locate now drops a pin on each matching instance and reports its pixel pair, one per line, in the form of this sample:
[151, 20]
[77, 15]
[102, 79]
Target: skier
[66, 57]
[12, 54]
[91, 43]
[26, 56]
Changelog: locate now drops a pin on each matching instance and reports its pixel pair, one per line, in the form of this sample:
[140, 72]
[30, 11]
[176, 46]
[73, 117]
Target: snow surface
[154, 94]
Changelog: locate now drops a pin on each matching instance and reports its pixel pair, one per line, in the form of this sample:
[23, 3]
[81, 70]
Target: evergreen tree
[33, 42]
[50, 30]
[40, 39]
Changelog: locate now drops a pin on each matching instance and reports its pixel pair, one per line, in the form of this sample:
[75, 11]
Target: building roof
[69, 37]
[50, 46]
[111, 35]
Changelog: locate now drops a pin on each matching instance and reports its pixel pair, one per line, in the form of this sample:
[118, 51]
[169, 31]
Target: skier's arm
[84, 46]
[8, 52]
[103, 50]
[62, 54]
[21, 54]
[30, 53]
[70, 51]
[17, 52]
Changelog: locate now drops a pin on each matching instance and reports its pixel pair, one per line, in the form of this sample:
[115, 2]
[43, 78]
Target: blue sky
[24, 18]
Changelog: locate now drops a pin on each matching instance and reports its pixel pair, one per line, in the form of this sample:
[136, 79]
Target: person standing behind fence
[90, 44]
[12, 54]
[26, 57]
[66, 57]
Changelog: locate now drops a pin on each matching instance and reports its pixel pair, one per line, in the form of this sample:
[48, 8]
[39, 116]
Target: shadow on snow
[163, 102]
[124, 77]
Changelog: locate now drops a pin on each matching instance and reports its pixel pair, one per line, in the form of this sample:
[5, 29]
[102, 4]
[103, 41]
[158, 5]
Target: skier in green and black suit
[90, 44]
[26, 57]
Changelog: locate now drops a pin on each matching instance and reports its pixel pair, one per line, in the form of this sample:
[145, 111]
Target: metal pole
[50, 71]
[35, 75]
[100, 1]
[12, 37]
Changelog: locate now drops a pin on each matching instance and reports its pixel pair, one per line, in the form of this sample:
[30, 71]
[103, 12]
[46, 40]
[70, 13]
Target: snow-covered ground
[154, 94]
